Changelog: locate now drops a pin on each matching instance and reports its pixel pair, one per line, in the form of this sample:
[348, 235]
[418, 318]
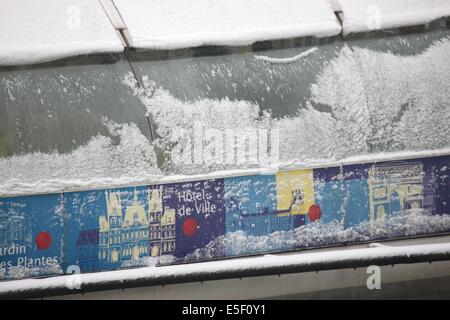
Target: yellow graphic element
[155, 200]
[168, 217]
[135, 253]
[380, 213]
[135, 214]
[114, 256]
[103, 223]
[162, 225]
[155, 251]
[113, 204]
[295, 192]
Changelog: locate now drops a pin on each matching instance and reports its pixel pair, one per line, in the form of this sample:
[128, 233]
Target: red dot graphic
[314, 213]
[43, 240]
[190, 227]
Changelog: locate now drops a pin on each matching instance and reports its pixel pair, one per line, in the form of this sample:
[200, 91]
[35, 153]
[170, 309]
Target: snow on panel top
[44, 30]
[175, 24]
[366, 15]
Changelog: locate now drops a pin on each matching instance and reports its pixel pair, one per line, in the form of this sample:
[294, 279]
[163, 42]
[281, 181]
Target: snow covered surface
[34, 32]
[287, 60]
[366, 15]
[57, 29]
[251, 264]
[98, 163]
[407, 224]
[384, 106]
[379, 103]
[21, 272]
[24, 179]
[174, 24]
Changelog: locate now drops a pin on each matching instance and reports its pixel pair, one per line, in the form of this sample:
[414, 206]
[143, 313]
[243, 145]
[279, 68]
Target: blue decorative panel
[112, 229]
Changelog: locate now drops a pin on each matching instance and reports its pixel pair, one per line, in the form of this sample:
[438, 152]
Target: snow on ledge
[20, 187]
[286, 60]
[175, 24]
[45, 30]
[368, 15]
[232, 268]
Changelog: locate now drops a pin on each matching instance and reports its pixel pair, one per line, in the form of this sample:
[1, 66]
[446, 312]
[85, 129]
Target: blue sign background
[117, 228]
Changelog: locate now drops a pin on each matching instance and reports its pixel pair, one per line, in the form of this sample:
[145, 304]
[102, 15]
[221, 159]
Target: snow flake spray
[212, 146]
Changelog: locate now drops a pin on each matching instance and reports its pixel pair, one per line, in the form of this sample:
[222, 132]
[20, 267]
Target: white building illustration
[13, 228]
[137, 233]
[162, 225]
[396, 188]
